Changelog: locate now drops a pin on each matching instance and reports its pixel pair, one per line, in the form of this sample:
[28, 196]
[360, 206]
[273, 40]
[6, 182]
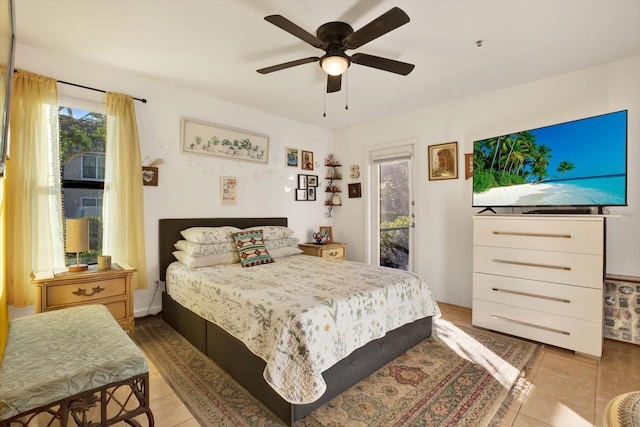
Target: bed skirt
[246, 368]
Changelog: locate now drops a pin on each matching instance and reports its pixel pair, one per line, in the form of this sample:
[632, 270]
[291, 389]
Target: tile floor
[563, 389]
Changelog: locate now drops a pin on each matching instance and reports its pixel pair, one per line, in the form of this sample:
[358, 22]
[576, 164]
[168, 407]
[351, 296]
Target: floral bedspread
[302, 314]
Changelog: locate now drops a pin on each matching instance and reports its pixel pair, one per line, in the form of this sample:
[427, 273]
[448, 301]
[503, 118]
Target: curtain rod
[144, 101]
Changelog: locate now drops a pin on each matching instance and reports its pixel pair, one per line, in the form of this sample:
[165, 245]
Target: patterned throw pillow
[251, 248]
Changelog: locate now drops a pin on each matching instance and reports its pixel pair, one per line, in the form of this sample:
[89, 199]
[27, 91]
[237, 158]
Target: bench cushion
[53, 355]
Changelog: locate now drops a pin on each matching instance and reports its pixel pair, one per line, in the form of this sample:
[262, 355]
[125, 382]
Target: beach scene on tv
[578, 163]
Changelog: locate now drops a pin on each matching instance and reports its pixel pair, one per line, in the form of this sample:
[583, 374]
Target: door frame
[389, 150]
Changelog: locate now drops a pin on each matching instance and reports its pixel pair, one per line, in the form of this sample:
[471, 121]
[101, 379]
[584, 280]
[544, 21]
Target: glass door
[394, 214]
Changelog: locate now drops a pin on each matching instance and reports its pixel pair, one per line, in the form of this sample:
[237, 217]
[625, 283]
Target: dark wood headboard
[169, 232]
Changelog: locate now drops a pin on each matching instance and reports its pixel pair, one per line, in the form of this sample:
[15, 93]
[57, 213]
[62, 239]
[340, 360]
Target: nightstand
[335, 250]
[112, 288]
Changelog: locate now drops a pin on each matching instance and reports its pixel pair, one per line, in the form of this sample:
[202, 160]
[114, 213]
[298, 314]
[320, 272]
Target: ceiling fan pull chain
[324, 102]
[346, 91]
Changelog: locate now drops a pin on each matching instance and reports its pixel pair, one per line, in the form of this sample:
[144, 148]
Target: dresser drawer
[333, 253]
[85, 292]
[581, 236]
[560, 267]
[554, 298]
[578, 335]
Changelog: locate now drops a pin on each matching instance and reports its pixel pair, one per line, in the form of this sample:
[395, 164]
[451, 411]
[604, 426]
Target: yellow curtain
[34, 201]
[123, 215]
[4, 304]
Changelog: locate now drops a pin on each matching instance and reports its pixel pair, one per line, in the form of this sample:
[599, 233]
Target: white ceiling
[215, 47]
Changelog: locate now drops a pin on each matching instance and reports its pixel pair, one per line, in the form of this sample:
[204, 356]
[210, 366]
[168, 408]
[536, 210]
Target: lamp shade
[77, 235]
[334, 65]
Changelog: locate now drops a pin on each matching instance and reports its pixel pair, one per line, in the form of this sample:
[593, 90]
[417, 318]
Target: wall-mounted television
[582, 163]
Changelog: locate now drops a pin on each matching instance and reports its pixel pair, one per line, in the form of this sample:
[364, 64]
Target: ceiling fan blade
[386, 22]
[334, 83]
[289, 64]
[291, 28]
[383, 64]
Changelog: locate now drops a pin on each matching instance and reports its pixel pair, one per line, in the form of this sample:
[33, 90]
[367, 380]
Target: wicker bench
[74, 365]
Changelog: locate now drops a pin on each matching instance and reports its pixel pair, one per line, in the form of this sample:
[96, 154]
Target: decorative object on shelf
[307, 160]
[468, 165]
[77, 240]
[443, 161]
[329, 230]
[291, 156]
[355, 191]
[333, 173]
[355, 171]
[228, 190]
[199, 137]
[104, 262]
[320, 237]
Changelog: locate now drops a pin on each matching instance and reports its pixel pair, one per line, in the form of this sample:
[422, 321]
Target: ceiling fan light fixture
[334, 65]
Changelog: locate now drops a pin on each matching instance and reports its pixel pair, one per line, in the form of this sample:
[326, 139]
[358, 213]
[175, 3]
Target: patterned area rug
[461, 376]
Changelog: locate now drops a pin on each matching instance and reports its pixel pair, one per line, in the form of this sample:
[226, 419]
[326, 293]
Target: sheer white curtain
[34, 202]
[123, 205]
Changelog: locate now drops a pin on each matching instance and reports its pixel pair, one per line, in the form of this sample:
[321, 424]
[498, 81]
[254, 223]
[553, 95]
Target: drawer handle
[518, 322]
[333, 253]
[526, 294]
[81, 292]
[517, 233]
[532, 264]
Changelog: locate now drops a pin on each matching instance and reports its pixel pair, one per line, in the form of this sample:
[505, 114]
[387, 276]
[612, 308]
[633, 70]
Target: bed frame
[245, 367]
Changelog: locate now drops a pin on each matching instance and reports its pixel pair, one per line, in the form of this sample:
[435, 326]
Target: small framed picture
[301, 194]
[291, 157]
[468, 165]
[355, 190]
[312, 180]
[329, 231]
[302, 182]
[150, 176]
[307, 160]
[443, 161]
[228, 190]
[311, 193]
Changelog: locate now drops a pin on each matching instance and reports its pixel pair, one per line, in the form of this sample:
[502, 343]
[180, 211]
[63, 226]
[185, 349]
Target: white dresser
[540, 277]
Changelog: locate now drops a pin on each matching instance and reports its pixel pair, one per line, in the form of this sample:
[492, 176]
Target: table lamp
[77, 240]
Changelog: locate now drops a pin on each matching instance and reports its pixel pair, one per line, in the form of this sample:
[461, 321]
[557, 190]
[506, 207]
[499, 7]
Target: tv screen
[577, 163]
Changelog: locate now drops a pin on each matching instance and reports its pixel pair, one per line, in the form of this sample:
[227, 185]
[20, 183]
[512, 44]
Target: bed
[241, 362]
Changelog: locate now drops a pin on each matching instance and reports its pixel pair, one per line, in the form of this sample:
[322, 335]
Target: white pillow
[272, 231]
[209, 235]
[206, 260]
[285, 251]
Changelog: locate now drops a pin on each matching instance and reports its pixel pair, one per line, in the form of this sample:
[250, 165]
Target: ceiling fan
[337, 37]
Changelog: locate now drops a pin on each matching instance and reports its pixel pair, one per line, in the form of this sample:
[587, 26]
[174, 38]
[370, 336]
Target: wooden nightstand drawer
[85, 292]
[112, 288]
[334, 250]
[333, 253]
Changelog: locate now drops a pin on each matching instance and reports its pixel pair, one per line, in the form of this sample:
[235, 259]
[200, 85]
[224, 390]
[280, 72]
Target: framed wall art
[228, 190]
[355, 190]
[150, 176]
[301, 194]
[468, 165]
[291, 156]
[307, 160]
[443, 161]
[199, 137]
[311, 193]
[329, 231]
[312, 180]
[302, 181]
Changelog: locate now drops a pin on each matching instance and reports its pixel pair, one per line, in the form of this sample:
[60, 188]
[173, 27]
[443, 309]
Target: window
[93, 166]
[82, 144]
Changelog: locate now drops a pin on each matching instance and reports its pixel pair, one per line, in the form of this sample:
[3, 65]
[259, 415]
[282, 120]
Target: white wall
[443, 223]
[189, 184]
